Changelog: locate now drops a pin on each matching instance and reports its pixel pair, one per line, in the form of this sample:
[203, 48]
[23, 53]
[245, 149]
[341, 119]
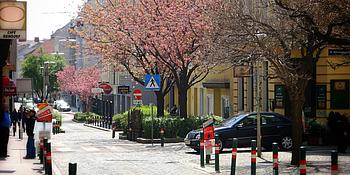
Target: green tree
[32, 67]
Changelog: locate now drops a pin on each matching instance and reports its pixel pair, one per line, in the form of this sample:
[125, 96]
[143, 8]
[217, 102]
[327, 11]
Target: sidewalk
[15, 164]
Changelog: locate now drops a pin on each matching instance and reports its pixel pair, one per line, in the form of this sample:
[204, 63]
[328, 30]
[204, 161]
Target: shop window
[339, 94]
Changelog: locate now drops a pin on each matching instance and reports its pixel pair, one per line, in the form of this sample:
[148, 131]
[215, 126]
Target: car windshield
[231, 120]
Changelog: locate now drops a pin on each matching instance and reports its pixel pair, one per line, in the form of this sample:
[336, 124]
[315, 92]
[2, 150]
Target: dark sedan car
[274, 128]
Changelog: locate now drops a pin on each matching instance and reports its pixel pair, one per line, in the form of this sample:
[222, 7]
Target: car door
[272, 128]
[246, 130]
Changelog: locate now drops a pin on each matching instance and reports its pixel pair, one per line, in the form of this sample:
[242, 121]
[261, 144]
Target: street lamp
[46, 78]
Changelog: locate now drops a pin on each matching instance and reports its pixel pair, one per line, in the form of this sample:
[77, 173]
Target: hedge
[175, 127]
[84, 116]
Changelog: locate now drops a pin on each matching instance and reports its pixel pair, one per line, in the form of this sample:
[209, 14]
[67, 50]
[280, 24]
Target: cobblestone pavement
[96, 153]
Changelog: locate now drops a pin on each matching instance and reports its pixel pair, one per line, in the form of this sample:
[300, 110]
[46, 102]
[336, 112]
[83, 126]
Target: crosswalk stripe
[89, 149]
[63, 149]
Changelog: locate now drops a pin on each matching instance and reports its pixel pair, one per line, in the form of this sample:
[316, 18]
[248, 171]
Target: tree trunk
[183, 102]
[296, 107]
[160, 103]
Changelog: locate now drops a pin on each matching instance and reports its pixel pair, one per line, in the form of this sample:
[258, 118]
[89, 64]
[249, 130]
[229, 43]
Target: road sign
[45, 114]
[123, 89]
[152, 82]
[96, 90]
[137, 94]
[137, 102]
[107, 89]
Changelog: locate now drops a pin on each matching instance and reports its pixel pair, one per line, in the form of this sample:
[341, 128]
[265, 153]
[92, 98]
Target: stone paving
[95, 152]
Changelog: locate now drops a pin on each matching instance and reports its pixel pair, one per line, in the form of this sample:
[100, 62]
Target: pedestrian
[14, 120]
[30, 123]
[23, 116]
[5, 125]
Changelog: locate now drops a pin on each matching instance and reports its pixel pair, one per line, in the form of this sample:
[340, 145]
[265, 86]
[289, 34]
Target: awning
[216, 84]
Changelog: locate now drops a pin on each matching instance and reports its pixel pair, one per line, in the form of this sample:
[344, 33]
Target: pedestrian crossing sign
[152, 82]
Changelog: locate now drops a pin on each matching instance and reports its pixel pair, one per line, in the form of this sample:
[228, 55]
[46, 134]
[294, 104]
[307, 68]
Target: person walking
[14, 119]
[5, 125]
[30, 123]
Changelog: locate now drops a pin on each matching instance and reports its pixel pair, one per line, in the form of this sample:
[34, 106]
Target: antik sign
[13, 23]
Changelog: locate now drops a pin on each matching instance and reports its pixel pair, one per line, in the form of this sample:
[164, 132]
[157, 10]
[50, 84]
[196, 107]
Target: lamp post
[46, 78]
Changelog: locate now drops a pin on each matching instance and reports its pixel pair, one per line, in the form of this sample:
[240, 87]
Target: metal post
[275, 158]
[234, 156]
[152, 124]
[253, 158]
[72, 168]
[334, 164]
[201, 148]
[302, 162]
[258, 116]
[217, 153]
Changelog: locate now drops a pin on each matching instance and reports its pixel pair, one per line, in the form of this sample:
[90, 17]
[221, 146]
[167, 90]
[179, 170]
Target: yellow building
[223, 91]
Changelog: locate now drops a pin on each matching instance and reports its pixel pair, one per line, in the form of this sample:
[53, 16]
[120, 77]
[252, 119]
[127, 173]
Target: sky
[46, 16]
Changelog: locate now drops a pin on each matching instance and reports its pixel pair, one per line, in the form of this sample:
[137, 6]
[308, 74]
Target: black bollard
[44, 154]
[48, 159]
[275, 158]
[234, 156]
[302, 162]
[201, 149]
[217, 153]
[162, 137]
[334, 162]
[253, 158]
[72, 169]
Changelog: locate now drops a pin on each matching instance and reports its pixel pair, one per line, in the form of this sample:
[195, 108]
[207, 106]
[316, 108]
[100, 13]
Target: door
[246, 130]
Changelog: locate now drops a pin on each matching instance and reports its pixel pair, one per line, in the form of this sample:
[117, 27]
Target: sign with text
[13, 20]
[123, 89]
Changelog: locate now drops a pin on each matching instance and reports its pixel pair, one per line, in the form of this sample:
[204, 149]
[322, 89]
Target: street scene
[174, 87]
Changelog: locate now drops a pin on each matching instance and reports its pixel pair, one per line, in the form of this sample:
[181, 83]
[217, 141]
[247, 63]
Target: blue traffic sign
[152, 82]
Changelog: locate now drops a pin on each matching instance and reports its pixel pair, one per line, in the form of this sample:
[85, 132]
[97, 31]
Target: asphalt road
[96, 153]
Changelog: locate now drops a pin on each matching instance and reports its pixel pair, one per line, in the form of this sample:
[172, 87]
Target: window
[339, 94]
[249, 121]
[270, 119]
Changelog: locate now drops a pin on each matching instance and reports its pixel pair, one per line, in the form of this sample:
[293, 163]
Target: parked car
[61, 105]
[274, 128]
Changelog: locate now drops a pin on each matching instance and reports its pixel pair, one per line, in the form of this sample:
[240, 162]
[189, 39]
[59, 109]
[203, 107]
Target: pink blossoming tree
[79, 82]
[168, 35]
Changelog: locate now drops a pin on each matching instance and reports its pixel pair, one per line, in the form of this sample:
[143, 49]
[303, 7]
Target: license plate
[187, 142]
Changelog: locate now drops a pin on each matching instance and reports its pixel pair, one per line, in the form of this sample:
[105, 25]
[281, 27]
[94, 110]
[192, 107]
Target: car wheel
[221, 147]
[286, 143]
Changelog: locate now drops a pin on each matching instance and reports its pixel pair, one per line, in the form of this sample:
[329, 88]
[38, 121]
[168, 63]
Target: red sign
[9, 88]
[209, 132]
[137, 94]
[107, 89]
[9, 91]
[45, 114]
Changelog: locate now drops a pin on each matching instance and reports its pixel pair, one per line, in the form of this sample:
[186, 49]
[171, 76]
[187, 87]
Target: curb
[97, 127]
[166, 140]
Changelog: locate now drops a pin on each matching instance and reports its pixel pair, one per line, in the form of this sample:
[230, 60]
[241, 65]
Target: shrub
[58, 116]
[121, 121]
